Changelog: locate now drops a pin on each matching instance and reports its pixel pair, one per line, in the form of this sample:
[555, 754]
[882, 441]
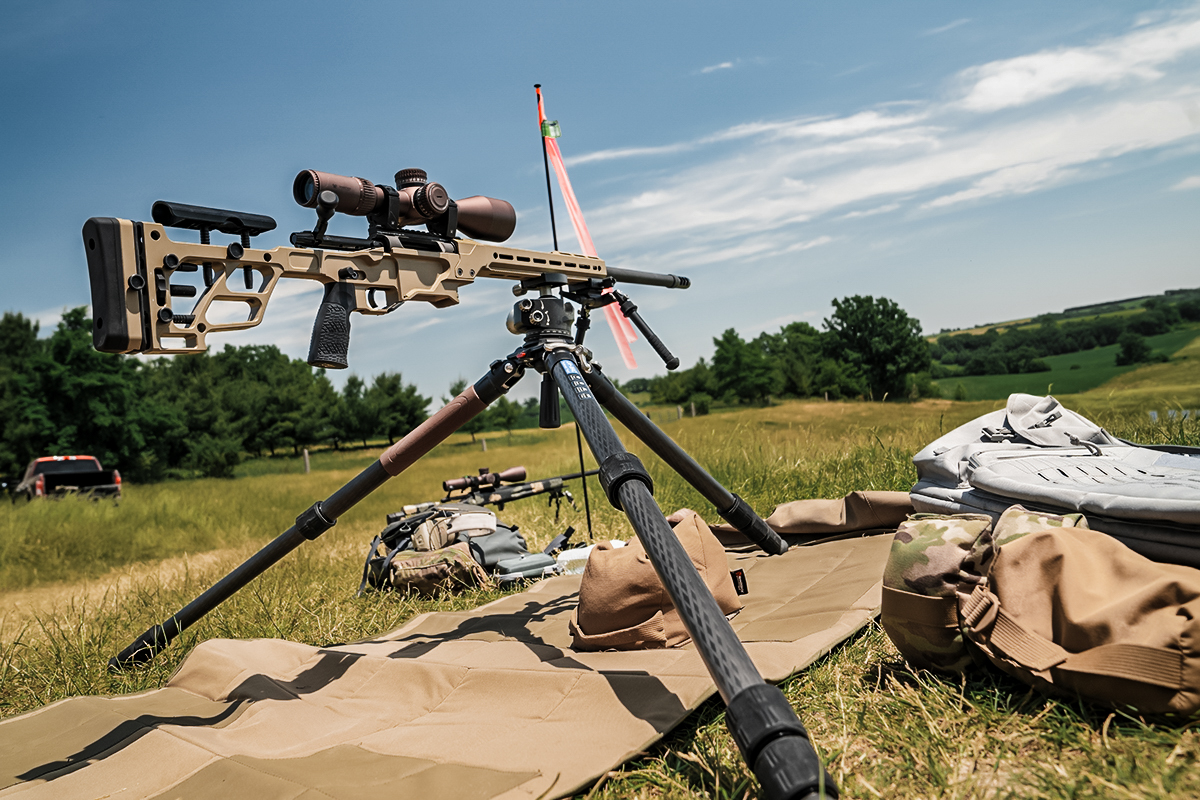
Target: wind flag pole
[621, 328]
[546, 162]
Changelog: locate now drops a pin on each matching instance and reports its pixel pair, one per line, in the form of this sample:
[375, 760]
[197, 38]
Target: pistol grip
[331, 330]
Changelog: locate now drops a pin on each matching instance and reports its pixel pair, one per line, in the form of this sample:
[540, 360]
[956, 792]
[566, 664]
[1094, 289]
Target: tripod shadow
[642, 694]
[120, 737]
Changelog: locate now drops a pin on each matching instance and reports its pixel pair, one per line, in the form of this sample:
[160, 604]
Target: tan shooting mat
[463, 705]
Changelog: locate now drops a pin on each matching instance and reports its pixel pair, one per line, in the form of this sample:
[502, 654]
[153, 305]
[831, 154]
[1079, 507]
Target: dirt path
[19, 607]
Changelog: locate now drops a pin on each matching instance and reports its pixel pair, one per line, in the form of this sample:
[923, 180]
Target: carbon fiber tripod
[766, 729]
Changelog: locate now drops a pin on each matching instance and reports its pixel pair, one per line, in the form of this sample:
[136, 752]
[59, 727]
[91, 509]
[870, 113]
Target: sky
[973, 162]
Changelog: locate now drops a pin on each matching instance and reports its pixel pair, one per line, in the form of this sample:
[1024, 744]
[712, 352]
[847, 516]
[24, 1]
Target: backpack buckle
[980, 609]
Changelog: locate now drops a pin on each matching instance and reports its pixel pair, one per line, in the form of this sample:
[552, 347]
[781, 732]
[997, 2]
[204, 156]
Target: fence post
[307, 466]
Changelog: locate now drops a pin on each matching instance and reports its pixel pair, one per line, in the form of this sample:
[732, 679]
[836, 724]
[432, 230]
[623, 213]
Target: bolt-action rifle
[138, 274]
[485, 489]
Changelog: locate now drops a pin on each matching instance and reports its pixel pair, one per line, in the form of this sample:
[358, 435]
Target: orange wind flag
[621, 328]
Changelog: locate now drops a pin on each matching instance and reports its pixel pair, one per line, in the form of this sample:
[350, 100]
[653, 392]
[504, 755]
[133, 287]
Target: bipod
[767, 731]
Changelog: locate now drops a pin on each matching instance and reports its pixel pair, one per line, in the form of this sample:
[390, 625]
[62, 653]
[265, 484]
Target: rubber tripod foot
[787, 770]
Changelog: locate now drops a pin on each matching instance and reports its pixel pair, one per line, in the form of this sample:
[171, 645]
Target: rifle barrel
[664, 279]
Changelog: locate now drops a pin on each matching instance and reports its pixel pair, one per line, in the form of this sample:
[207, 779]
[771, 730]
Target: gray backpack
[1047, 458]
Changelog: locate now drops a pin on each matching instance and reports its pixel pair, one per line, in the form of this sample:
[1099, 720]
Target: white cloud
[763, 181]
[870, 212]
[798, 246]
[627, 152]
[947, 27]
[1192, 182]
[715, 67]
[1136, 56]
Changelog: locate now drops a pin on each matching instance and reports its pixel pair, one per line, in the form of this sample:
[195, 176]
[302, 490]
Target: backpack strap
[937, 612]
[986, 623]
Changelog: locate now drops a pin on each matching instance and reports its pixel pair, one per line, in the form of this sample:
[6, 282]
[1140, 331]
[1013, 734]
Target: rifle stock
[132, 264]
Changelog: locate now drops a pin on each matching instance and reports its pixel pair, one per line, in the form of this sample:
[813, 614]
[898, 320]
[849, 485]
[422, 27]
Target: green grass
[1094, 368]
[883, 729]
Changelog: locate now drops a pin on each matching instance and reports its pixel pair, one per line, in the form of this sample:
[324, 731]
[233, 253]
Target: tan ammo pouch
[1068, 611]
[438, 532]
[623, 604]
[426, 573]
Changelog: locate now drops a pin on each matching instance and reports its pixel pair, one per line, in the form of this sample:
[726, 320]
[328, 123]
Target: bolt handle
[326, 204]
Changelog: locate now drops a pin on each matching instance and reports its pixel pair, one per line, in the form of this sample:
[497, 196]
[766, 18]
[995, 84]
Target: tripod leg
[732, 508]
[770, 736]
[323, 515]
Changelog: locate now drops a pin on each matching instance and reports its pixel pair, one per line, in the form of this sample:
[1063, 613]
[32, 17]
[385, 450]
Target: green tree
[98, 406]
[355, 419]
[878, 341]
[318, 407]
[399, 406]
[1134, 349]
[741, 369]
[504, 414]
[794, 353]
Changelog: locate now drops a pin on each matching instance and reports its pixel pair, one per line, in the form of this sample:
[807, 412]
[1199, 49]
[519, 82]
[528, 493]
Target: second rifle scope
[418, 202]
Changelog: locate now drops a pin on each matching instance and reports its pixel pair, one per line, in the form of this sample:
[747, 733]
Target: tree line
[177, 417]
[1021, 350]
[869, 347]
[198, 415]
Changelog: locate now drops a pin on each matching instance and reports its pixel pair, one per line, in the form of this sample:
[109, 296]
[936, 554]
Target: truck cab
[52, 476]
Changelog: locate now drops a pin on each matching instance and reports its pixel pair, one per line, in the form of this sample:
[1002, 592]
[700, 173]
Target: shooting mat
[463, 705]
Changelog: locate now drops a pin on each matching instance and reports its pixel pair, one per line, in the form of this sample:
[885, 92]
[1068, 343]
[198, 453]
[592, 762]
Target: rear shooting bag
[1065, 609]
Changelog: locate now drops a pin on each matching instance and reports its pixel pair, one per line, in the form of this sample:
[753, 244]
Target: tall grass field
[79, 580]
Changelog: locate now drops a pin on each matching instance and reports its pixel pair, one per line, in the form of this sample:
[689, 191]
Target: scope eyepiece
[356, 196]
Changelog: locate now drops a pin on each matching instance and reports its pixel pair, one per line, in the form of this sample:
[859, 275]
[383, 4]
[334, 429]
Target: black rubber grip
[741, 516]
[652, 338]
[331, 331]
[774, 742]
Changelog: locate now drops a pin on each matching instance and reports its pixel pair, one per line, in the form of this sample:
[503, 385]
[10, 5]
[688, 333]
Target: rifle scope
[485, 479]
[417, 202]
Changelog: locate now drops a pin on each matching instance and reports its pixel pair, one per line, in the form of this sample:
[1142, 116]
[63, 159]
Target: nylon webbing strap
[938, 612]
[1159, 666]
[1137, 662]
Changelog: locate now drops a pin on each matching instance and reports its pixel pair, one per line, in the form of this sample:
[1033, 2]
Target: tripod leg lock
[619, 468]
[774, 741]
[312, 523]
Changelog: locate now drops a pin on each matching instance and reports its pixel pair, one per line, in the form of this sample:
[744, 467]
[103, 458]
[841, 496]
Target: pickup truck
[59, 475]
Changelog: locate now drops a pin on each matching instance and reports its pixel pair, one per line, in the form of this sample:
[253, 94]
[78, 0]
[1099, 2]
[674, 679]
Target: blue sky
[973, 162]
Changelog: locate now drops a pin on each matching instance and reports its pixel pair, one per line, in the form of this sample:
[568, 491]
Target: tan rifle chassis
[140, 260]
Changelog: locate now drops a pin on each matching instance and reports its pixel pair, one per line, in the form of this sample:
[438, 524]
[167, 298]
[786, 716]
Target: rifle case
[1047, 458]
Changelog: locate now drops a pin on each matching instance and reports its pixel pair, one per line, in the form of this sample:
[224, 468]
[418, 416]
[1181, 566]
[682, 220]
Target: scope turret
[414, 201]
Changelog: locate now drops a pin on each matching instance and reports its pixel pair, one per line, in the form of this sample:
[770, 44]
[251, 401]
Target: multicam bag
[427, 572]
[1062, 608]
[411, 552]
